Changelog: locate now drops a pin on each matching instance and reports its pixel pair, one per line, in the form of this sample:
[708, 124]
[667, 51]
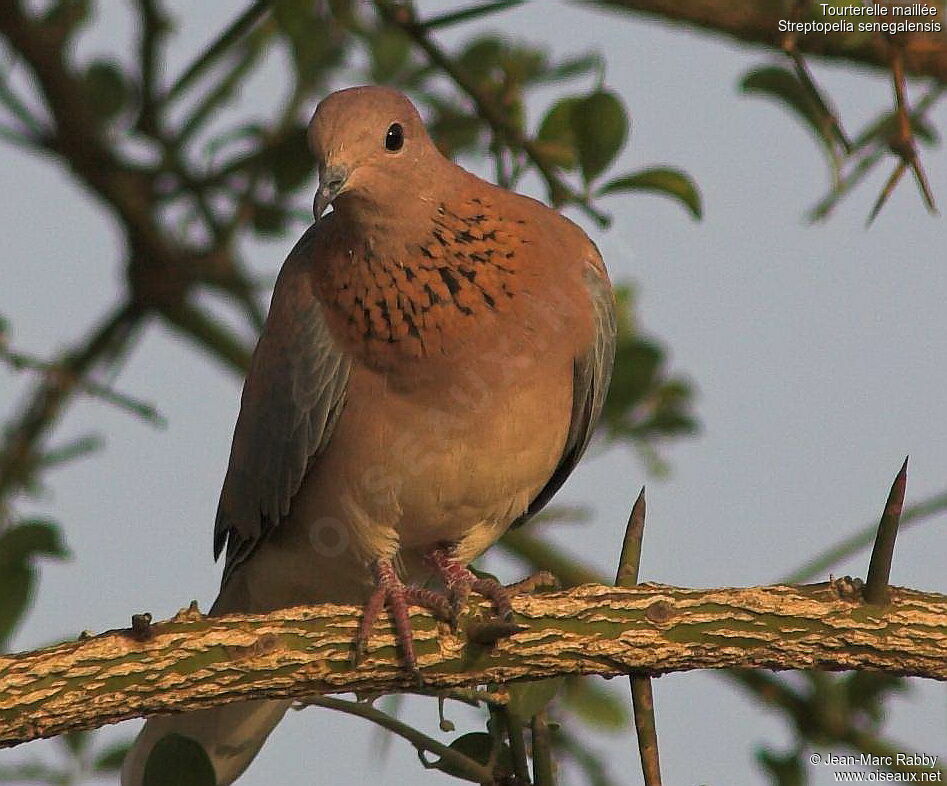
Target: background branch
[757, 23]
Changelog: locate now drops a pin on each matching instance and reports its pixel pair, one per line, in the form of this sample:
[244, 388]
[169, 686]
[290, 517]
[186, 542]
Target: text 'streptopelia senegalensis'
[436, 355]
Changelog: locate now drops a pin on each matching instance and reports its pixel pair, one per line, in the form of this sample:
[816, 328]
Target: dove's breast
[464, 339]
[451, 463]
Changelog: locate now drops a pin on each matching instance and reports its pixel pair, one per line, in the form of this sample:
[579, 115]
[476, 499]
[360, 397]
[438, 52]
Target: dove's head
[370, 143]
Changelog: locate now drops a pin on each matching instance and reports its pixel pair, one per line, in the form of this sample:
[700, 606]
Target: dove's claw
[390, 591]
[460, 581]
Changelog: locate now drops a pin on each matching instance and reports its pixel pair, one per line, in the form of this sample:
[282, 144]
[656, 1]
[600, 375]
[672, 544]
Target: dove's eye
[394, 138]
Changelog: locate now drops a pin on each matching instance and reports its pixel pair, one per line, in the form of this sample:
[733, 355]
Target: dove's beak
[331, 182]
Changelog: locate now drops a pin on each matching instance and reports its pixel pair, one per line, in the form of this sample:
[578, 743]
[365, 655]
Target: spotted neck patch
[417, 296]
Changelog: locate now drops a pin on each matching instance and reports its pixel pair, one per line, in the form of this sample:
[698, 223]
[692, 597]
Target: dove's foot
[390, 591]
[460, 581]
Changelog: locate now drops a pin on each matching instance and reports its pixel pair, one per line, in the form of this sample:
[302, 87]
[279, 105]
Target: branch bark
[755, 22]
[192, 661]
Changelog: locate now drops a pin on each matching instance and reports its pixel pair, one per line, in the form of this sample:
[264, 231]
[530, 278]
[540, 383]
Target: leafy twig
[560, 191]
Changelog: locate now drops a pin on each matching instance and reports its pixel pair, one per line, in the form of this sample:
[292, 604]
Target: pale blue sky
[818, 352]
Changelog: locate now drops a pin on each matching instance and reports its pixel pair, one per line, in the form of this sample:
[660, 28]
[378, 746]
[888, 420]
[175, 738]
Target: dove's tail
[231, 735]
[282, 573]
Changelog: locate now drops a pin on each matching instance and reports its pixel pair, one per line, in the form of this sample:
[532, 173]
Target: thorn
[642, 697]
[886, 192]
[630, 559]
[642, 700]
[879, 568]
[141, 627]
[191, 613]
[903, 143]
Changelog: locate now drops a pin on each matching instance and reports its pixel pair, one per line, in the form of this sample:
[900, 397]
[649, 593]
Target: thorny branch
[592, 629]
[757, 23]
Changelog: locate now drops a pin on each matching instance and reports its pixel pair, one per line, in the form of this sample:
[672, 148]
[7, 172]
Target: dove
[435, 358]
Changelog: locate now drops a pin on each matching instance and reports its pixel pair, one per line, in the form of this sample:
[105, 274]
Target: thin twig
[906, 133]
[471, 770]
[19, 110]
[514, 732]
[887, 190]
[544, 773]
[234, 32]
[20, 361]
[154, 25]
[211, 336]
[48, 397]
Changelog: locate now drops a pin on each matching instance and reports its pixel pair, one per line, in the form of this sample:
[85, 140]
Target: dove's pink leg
[390, 591]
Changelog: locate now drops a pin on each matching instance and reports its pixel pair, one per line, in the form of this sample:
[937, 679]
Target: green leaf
[784, 86]
[783, 769]
[661, 180]
[556, 136]
[529, 698]
[177, 760]
[106, 88]
[595, 705]
[78, 448]
[600, 126]
[20, 546]
[644, 402]
[291, 162]
[76, 742]
[481, 58]
[567, 69]
[453, 130]
[390, 50]
[269, 219]
[111, 757]
[314, 42]
[477, 746]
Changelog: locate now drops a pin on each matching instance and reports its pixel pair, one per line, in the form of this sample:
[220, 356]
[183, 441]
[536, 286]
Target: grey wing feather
[593, 372]
[292, 398]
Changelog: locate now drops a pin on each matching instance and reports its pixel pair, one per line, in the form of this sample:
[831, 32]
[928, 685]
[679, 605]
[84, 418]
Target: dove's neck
[428, 281]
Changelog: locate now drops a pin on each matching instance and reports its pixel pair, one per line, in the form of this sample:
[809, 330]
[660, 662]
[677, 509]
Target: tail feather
[285, 571]
[231, 735]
